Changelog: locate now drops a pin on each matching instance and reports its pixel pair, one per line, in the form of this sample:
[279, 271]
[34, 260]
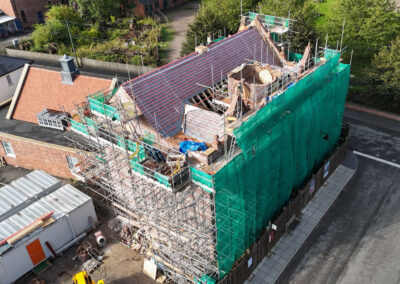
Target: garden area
[119, 39]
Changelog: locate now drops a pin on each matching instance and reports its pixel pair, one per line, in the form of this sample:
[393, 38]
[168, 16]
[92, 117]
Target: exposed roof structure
[162, 93]
[9, 64]
[42, 88]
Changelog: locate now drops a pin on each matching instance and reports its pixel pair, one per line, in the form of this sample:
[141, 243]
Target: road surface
[358, 240]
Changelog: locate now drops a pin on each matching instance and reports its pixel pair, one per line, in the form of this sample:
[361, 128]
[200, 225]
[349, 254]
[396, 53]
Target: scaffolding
[173, 211]
[195, 222]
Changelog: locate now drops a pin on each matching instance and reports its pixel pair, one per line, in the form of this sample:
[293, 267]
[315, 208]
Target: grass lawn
[325, 9]
[167, 35]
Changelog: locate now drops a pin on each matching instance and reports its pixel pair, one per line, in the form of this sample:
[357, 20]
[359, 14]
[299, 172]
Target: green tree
[304, 14]
[370, 24]
[98, 10]
[54, 30]
[384, 72]
[215, 17]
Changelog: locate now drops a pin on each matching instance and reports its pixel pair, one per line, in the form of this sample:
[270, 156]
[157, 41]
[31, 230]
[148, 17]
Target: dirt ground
[120, 264]
[9, 173]
[179, 19]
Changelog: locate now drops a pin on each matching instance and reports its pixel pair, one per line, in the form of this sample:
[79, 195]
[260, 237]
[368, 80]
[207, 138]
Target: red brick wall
[6, 7]
[35, 155]
[139, 9]
[30, 7]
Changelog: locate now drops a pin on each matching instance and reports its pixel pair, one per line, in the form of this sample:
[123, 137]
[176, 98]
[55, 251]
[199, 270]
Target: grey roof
[9, 64]
[62, 201]
[32, 130]
[24, 191]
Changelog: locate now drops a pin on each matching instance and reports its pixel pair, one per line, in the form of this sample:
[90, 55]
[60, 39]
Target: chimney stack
[69, 71]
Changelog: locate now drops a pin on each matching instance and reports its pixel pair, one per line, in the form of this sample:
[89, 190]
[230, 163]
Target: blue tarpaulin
[185, 146]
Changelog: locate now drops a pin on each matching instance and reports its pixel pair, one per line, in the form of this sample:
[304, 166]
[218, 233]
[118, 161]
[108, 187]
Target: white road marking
[377, 159]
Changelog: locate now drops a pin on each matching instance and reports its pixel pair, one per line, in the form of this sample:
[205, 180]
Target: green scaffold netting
[282, 145]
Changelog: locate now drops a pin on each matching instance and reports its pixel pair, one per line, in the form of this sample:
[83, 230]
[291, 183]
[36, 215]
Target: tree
[304, 14]
[384, 72]
[215, 17]
[370, 24]
[98, 10]
[54, 30]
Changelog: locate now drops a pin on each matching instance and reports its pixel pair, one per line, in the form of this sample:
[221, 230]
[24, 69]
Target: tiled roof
[9, 64]
[162, 93]
[43, 89]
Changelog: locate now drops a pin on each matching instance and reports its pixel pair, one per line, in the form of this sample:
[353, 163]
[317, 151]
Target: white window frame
[8, 149]
[51, 123]
[10, 82]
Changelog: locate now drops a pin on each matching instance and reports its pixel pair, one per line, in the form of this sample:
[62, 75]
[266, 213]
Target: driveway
[179, 20]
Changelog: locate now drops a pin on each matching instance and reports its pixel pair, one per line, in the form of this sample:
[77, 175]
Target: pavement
[179, 19]
[358, 240]
[281, 254]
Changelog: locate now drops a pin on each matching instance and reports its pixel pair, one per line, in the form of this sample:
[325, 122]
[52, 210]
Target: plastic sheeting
[186, 146]
[282, 144]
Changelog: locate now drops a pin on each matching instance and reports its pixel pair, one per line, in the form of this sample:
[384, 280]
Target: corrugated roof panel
[25, 190]
[42, 178]
[62, 201]
[162, 93]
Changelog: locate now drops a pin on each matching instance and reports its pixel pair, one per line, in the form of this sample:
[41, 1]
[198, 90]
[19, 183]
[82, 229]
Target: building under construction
[200, 155]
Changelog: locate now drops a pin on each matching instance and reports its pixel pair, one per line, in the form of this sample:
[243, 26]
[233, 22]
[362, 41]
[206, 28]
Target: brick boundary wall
[298, 200]
[36, 155]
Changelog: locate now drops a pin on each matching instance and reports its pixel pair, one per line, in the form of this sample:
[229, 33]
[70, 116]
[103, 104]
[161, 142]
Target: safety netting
[281, 146]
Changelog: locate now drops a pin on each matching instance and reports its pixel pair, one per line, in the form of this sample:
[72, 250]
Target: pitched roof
[42, 89]
[162, 93]
[9, 64]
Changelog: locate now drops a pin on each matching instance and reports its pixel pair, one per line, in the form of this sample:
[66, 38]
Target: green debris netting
[282, 145]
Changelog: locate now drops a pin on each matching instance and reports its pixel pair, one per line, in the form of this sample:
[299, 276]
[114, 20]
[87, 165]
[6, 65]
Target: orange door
[36, 252]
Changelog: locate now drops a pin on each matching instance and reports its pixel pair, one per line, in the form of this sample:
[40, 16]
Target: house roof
[162, 93]
[42, 88]
[9, 64]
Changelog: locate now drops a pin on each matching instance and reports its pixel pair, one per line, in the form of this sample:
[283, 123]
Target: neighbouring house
[10, 72]
[39, 218]
[8, 24]
[32, 130]
[27, 12]
[148, 7]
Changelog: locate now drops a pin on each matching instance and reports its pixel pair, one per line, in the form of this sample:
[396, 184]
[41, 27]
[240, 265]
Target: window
[8, 149]
[23, 16]
[51, 119]
[73, 164]
[10, 83]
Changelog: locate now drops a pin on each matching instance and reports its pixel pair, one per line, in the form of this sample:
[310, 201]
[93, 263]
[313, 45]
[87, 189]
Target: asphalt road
[358, 240]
